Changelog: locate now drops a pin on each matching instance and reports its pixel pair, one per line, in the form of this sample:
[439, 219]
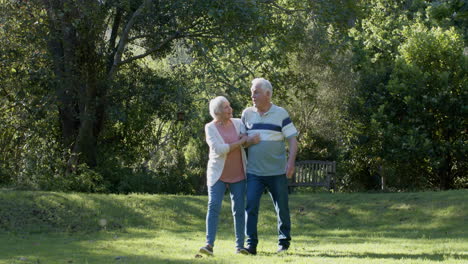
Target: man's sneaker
[208, 250]
[282, 249]
[252, 250]
[242, 251]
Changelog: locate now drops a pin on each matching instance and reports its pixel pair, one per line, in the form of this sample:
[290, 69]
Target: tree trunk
[446, 174]
[76, 68]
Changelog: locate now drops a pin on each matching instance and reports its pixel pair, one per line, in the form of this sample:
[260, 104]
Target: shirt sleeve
[288, 128]
[242, 128]
[243, 118]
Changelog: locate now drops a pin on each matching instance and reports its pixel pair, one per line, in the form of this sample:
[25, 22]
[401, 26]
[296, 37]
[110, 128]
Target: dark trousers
[278, 188]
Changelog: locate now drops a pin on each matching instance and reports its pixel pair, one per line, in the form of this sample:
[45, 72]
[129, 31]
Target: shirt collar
[267, 112]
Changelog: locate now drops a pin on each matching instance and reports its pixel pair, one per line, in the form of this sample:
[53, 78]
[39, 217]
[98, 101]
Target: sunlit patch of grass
[42, 227]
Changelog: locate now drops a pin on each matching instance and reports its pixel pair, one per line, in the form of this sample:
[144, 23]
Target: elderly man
[268, 127]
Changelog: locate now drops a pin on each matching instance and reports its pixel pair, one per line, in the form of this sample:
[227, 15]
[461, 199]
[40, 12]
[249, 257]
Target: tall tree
[422, 118]
[89, 42]
[406, 50]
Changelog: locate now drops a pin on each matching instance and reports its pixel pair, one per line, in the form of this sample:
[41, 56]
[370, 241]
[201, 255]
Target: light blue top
[268, 157]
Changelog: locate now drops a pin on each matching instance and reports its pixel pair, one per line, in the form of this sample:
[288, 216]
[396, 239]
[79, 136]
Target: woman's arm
[238, 143]
[219, 146]
[214, 142]
[251, 140]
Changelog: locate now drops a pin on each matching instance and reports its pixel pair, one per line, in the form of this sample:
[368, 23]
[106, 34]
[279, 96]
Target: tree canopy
[111, 96]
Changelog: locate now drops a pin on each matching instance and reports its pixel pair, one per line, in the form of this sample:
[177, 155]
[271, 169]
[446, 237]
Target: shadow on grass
[88, 248]
[406, 216]
[396, 256]
[89, 257]
[38, 212]
[334, 218]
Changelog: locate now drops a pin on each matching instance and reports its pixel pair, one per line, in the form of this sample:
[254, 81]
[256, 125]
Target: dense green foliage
[112, 96]
[407, 117]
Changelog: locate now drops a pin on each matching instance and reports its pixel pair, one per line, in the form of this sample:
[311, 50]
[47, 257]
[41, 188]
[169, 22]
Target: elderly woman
[226, 169]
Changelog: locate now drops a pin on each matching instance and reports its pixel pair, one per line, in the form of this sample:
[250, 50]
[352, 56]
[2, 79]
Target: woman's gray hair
[264, 84]
[216, 105]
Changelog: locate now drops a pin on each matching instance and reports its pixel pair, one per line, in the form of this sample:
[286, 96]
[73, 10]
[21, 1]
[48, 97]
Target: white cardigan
[219, 150]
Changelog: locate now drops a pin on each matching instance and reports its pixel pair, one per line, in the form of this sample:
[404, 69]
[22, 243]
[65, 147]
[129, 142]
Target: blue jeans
[278, 188]
[215, 198]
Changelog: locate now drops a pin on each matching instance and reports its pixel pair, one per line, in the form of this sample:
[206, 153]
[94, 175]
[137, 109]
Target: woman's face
[226, 111]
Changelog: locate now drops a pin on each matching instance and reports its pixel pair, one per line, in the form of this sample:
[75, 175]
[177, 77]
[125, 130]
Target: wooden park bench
[313, 173]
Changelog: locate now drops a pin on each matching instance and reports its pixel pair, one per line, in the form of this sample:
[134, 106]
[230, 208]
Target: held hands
[247, 141]
[243, 138]
[254, 139]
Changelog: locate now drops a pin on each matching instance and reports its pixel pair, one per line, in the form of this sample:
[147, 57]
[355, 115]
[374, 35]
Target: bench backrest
[315, 172]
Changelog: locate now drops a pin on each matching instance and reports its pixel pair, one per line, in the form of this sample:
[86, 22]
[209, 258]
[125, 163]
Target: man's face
[260, 98]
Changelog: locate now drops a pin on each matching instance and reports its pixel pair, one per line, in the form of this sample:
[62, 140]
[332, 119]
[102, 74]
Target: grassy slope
[40, 227]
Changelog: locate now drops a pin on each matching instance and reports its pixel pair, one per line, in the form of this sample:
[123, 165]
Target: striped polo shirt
[268, 157]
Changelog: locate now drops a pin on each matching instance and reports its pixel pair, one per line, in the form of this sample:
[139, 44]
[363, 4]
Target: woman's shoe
[208, 250]
[242, 251]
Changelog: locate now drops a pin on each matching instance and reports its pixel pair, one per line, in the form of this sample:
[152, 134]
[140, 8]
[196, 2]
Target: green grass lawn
[46, 227]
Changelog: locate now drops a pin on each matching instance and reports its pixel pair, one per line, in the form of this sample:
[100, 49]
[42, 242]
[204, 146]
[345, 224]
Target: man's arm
[290, 167]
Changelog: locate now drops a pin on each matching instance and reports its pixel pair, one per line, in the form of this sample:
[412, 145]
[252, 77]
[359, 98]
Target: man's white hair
[216, 105]
[264, 84]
